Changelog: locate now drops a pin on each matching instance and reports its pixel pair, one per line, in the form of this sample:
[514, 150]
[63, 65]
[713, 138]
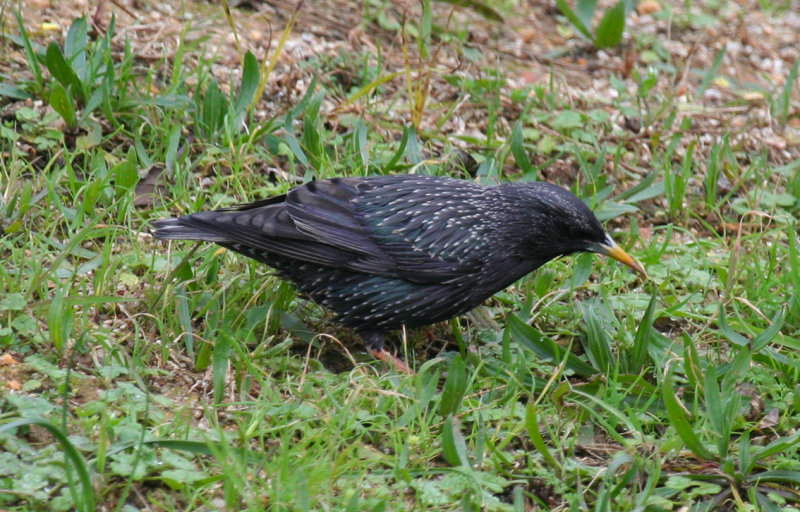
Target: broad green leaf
[62, 71]
[609, 30]
[250, 81]
[680, 420]
[766, 336]
[691, 363]
[610, 209]
[59, 321]
[454, 447]
[745, 456]
[214, 109]
[454, 387]
[62, 102]
[77, 39]
[12, 302]
[532, 426]
[125, 177]
[598, 343]
[220, 360]
[10, 90]
[518, 150]
[733, 336]
[584, 10]
[546, 348]
[84, 500]
[567, 119]
[782, 444]
[643, 334]
[720, 413]
[779, 475]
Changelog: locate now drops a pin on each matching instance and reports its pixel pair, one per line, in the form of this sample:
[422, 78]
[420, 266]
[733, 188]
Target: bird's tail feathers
[186, 228]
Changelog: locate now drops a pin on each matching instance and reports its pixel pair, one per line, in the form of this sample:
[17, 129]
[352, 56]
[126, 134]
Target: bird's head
[558, 223]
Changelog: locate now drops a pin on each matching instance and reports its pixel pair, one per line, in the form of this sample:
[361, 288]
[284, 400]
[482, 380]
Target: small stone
[648, 7]
[753, 96]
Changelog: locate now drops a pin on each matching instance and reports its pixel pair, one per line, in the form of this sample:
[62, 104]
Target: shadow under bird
[384, 252]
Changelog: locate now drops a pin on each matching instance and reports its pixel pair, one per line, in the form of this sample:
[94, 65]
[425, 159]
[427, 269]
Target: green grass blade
[783, 105]
[518, 150]
[12, 91]
[692, 367]
[185, 320]
[782, 476]
[711, 73]
[567, 11]
[454, 447]
[679, 419]
[545, 348]
[612, 25]
[598, 342]
[641, 342]
[30, 54]
[532, 426]
[62, 102]
[645, 189]
[249, 86]
[716, 410]
[408, 133]
[454, 387]
[482, 8]
[782, 444]
[220, 362]
[726, 330]
[373, 85]
[585, 10]
[765, 337]
[62, 71]
[84, 501]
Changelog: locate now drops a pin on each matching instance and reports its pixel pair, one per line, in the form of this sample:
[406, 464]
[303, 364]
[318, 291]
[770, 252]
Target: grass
[139, 374]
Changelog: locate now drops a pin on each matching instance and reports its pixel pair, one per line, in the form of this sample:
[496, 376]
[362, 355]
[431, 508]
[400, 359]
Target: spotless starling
[384, 252]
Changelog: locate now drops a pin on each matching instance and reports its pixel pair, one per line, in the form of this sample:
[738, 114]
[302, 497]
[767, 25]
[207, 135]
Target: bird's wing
[314, 223]
[336, 214]
[435, 230]
[348, 223]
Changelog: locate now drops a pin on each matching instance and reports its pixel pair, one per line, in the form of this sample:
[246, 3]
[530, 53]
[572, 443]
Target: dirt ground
[532, 47]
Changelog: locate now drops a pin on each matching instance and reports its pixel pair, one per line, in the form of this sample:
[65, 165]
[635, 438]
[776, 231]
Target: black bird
[385, 252]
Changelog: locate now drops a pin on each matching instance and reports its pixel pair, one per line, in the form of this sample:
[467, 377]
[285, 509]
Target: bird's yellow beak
[612, 250]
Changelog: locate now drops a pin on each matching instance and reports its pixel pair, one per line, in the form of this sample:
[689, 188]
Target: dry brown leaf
[770, 420]
[148, 190]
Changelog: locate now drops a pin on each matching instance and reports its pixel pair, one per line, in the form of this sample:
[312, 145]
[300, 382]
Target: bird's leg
[375, 345]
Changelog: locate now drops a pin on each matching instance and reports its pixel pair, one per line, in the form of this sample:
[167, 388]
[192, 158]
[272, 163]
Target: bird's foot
[391, 359]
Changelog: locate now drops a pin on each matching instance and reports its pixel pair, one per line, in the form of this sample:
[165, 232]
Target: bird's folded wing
[324, 223]
[328, 212]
